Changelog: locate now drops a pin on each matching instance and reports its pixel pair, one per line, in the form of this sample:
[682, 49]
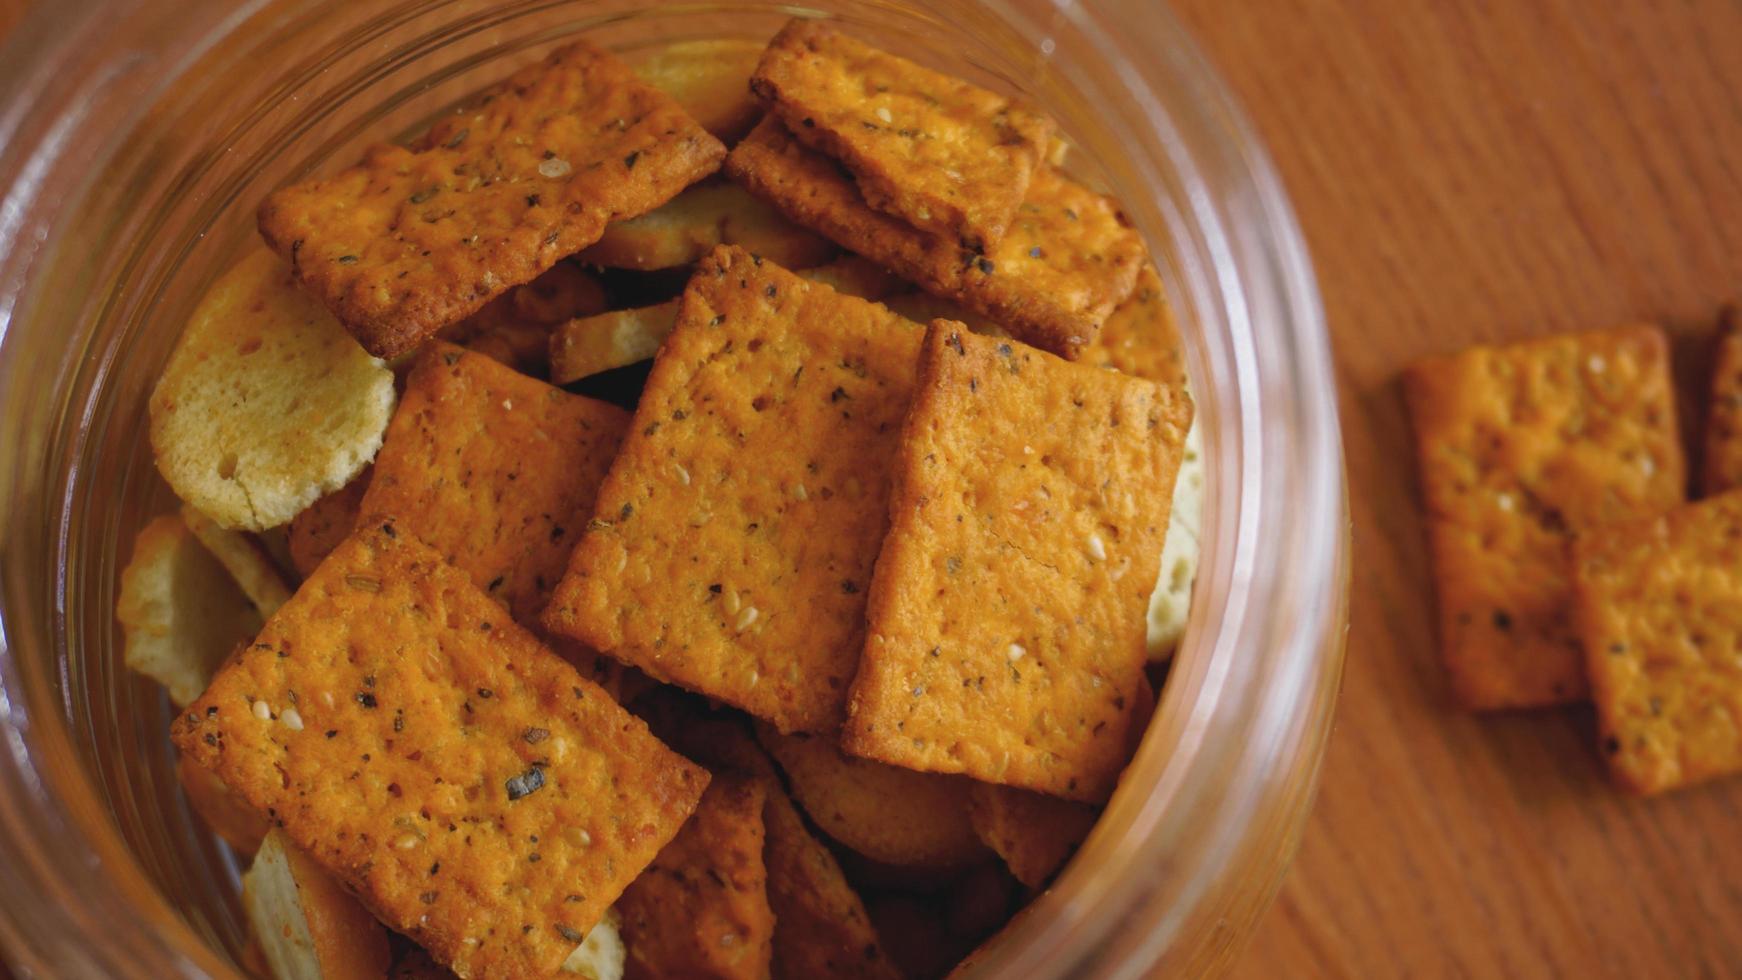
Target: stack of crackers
[1571, 564]
[811, 648]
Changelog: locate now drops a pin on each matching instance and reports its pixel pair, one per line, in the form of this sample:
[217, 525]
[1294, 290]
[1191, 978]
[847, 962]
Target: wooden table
[1470, 171]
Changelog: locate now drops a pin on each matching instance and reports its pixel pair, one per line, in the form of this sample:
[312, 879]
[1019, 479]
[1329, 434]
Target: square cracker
[733, 539]
[1520, 448]
[1141, 336]
[411, 240]
[949, 157]
[1659, 607]
[465, 783]
[1722, 469]
[495, 470]
[1067, 260]
[1005, 635]
[701, 909]
[820, 925]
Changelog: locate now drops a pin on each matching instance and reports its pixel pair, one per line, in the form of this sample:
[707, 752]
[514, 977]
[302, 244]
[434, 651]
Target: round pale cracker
[1171, 601]
[244, 558]
[267, 403]
[896, 816]
[181, 614]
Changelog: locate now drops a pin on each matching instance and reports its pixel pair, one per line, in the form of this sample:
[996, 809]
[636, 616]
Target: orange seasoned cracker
[1659, 608]
[411, 240]
[733, 540]
[1034, 834]
[466, 784]
[893, 816]
[1005, 635]
[1722, 468]
[322, 525]
[1141, 336]
[820, 925]
[496, 470]
[515, 327]
[1066, 262]
[694, 223]
[1521, 448]
[950, 158]
[701, 909]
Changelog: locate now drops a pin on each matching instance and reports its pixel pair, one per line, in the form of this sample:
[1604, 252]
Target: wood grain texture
[1470, 171]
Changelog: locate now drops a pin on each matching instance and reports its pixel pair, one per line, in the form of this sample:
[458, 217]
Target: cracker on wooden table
[1067, 260]
[1722, 469]
[589, 345]
[180, 611]
[265, 403]
[324, 524]
[950, 158]
[1033, 833]
[1521, 448]
[701, 909]
[894, 816]
[733, 539]
[244, 558]
[1659, 608]
[496, 470]
[705, 216]
[411, 240]
[710, 79]
[467, 785]
[306, 923]
[1005, 635]
[820, 925]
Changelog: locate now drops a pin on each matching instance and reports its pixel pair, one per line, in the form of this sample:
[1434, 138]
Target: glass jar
[135, 140]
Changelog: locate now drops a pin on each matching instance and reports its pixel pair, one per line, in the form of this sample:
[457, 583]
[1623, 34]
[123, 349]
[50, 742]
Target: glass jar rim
[1238, 260]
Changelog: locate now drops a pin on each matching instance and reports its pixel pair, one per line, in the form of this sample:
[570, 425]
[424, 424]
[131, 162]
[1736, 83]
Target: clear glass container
[135, 140]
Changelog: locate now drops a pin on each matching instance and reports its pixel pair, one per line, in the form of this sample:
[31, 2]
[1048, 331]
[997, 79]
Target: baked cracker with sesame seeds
[1066, 261]
[321, 526]
[1005, 634]
[949, 157]
[701, 909]
[413, 239]
[820, 925]
[733, 539]
[495, 470]
[1722, 469]
[1521, 448]
[475, 792]
[1659, 608]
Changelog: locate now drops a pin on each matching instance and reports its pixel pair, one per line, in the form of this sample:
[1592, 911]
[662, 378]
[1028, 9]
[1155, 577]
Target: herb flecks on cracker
[379, 717]
[1066, 261]
[701, 909]
[1659, 608]
[950, 158]
[496, 470]
[411, 240]
[1521, 448]
[733, 539]
[1006, 619]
